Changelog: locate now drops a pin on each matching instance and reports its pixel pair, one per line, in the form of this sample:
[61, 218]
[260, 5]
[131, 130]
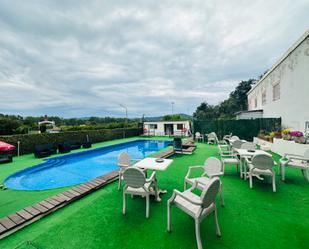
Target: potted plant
[297, 136]
[286, 134]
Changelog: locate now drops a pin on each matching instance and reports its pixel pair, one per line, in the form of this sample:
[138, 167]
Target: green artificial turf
[251, 218]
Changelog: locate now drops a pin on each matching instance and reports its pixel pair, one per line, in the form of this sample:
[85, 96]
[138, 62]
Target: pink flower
[296, 134]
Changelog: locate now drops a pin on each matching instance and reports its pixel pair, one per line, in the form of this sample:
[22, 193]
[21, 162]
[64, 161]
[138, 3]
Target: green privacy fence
[29, 141]
[245, 129]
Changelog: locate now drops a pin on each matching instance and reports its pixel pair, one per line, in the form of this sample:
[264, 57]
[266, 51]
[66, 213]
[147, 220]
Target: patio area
[251, 218]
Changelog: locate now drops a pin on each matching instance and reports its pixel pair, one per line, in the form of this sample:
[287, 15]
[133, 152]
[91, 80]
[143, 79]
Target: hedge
[245, 128]
[28, 141]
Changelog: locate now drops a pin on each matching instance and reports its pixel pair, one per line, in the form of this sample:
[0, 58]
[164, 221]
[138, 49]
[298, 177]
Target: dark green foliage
[12, 124]
[245, 129]
[28, 141]
[237, 101]
[173, 117]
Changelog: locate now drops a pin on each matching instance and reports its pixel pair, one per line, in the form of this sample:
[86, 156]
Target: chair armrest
[215, 175]
[297, 157]
[190, 169]
[176, 192]
[152, 177]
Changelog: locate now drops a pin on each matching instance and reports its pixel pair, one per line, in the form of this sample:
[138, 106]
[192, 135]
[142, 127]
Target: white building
[167, 128]
[284, 89]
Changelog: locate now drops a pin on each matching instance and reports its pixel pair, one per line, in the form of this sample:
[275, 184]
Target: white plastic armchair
[235, 138]
[295, 161]
[199, 136]
[228, 157]
[137, 184]
[212, 138]
[124, 161]
[212, 168]
[198, 207]
[261, 164]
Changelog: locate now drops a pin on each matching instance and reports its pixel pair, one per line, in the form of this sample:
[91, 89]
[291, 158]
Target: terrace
[251, 218]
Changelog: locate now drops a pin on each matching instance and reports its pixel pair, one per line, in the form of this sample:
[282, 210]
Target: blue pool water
[79, 167]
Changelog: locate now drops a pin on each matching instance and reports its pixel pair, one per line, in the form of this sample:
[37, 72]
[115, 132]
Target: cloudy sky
[84, 58]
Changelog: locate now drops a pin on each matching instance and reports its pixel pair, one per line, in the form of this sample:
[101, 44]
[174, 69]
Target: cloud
[83, 58]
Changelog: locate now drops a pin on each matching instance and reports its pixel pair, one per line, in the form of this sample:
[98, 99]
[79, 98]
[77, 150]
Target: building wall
[160, 127]
[292, 75]
[249, 115]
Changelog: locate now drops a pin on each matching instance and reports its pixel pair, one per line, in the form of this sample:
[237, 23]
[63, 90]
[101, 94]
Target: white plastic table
[151, 164]
[243, 153]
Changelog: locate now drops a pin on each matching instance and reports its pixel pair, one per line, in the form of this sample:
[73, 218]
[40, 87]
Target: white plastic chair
[137, 184]
[235, 138]
[212, 138]
[243, 165]
[228, 157]
[261, 165]
[124, 161]
[199, 136]
[237, 144]
[198, 207]
[295, 161]
[212, 168]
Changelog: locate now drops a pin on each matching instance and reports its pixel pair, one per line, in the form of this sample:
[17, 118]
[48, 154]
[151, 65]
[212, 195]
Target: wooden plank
[16, 218]
[80, 189]
[95, 184]
[39, 207]
[24, 214]
[61, 195]
[68, 195]
[7, 223]
[52, 201]
[73, 192]
[101, 181]
[88, 185]
[85, 186]
[2, 229]
[32, 211]
[46, 204]
[59, 198]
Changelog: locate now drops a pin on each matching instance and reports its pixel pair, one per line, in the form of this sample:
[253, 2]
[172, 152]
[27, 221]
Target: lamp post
[126, 121]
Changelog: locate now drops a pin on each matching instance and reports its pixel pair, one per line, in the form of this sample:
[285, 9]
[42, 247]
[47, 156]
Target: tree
[237, 101]
[205, 111]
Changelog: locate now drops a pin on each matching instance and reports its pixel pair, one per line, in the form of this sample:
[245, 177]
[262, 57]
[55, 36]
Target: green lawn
[251, 218]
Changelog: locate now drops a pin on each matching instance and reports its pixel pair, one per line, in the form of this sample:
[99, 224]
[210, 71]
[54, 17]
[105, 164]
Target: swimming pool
[80, 167]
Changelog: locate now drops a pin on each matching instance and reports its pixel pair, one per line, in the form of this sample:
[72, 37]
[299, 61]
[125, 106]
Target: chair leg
[274, 181]
[147, 206]
[169, 225]
[198, 234]
[283, 172]
[124, 203]
[250, 179]
[221, 196]
[218, 231]
[185, 186]
[119, 181]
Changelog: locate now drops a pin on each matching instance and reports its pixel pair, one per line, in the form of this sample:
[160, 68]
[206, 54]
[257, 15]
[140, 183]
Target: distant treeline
[15, 124]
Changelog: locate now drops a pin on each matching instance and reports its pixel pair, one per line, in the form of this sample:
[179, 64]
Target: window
[153, 126]
[264, 98]
[255, 102]
[276, 91]
[179, 126]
